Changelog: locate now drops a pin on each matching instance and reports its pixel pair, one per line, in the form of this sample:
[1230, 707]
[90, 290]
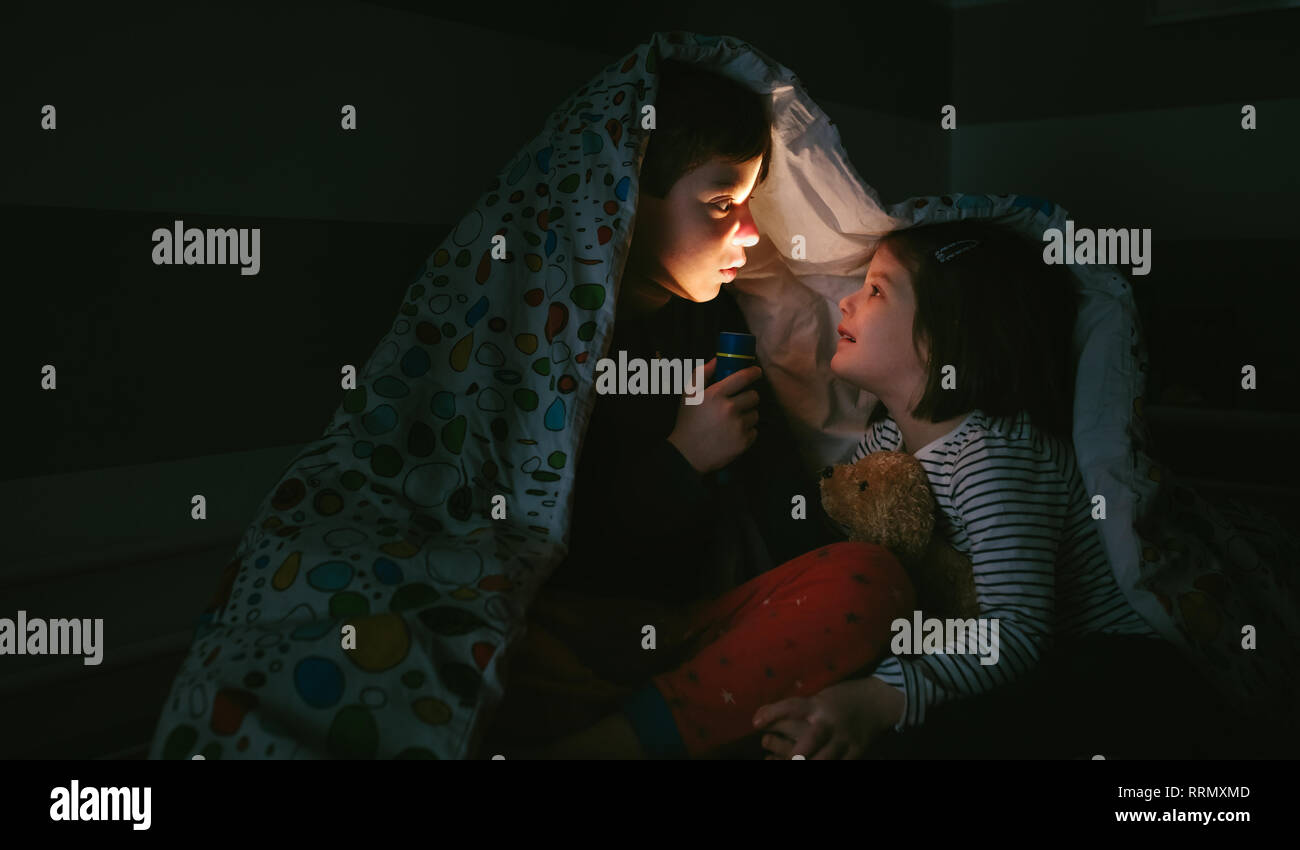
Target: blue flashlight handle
[735, 352]
[730, 364]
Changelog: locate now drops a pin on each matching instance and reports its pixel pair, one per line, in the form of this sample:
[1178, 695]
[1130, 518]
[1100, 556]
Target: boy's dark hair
[1000, 315]
[700, 114]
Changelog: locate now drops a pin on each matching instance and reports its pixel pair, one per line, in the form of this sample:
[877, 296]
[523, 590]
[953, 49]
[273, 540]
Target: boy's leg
[792, 631]
[549, 693]
[578, 658]
[607, 634]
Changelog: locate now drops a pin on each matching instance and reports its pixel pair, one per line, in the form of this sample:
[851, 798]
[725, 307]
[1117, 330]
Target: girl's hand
[838, 723]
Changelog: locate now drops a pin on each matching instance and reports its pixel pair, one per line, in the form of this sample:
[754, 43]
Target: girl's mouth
[845, 334]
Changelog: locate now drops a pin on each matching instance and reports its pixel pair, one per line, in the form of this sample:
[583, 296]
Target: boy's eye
[722, 206]
[875, 290]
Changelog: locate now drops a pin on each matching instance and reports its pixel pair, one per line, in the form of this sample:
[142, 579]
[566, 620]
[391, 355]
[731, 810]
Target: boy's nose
[747, 233]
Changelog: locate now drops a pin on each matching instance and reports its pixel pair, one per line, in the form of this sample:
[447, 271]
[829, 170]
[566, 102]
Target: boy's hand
[720, 428]
[838, 723]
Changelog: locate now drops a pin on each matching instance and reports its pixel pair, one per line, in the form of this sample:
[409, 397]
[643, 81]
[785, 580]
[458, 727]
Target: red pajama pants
[809, 623]
[792, 631]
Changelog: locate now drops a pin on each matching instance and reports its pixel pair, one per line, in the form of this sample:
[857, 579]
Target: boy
[653, 530]
[649, 514]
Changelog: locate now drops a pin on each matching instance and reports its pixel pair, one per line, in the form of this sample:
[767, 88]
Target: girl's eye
[722, 206]
[875, 290]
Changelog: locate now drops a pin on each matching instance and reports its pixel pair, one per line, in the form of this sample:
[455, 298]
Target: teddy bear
[885, 499]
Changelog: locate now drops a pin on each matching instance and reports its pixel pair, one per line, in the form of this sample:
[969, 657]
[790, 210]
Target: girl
[964, 336]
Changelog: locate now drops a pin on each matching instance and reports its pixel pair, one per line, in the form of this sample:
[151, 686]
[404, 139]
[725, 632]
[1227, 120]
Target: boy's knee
[864, 571]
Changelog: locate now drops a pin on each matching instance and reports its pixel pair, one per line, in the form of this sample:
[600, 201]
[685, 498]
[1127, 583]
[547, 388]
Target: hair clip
[955, 249]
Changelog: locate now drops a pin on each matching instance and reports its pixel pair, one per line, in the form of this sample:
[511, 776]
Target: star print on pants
[728, 697]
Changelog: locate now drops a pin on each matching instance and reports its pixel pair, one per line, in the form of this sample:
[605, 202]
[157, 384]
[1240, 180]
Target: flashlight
[735, 352]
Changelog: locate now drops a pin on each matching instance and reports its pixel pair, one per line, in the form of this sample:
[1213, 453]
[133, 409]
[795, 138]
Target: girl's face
[691, 242]
[875, 350]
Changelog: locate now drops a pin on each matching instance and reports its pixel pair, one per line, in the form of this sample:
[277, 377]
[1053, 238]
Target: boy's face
[691, 242]
[875, 350]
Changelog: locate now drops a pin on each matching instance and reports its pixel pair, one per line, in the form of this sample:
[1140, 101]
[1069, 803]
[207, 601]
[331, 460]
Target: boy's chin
[704, 292]
[698, 290]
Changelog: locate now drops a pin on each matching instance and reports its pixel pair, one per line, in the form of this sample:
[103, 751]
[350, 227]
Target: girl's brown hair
[996, 312]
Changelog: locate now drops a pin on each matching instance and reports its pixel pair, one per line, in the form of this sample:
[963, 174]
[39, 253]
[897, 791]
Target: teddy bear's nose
[827, 471]
[862, 486]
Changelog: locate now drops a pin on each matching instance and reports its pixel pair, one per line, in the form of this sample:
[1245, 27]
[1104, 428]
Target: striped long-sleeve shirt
[1010, 497]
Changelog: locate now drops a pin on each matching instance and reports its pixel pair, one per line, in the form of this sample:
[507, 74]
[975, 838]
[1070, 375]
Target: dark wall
[158, 363]
[238, 128]
[1131, 123]
[864, 54]
[1029, 59]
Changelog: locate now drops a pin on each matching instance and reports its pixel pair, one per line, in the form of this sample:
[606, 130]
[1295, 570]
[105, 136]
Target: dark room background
[176, 380]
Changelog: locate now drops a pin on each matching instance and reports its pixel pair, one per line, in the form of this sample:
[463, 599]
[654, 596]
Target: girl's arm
[1012, 500]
